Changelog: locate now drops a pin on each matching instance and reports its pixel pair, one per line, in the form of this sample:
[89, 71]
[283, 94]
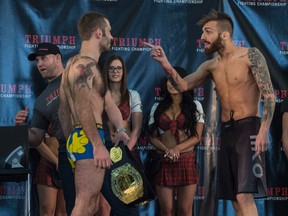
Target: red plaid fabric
[43, 173]
[184, 172]
[166, 123]
[125, 110]
[50, 131]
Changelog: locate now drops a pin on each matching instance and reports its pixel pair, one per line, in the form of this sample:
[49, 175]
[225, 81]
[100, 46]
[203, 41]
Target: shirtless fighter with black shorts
[241, 77]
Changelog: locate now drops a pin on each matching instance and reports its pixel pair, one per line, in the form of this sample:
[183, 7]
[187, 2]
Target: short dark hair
[224, 21]
[89, 22]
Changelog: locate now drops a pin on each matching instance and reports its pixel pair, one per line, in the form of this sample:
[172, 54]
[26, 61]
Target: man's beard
[214, 46]
[105, 45]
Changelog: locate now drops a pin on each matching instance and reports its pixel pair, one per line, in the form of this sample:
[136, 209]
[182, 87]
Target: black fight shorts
[240, 169]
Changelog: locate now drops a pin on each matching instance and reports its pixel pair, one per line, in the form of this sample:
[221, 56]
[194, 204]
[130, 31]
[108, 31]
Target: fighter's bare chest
[231, 73]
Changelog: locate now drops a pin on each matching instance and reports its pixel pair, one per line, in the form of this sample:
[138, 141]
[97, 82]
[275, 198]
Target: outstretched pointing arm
[189, 82]
[158, 54]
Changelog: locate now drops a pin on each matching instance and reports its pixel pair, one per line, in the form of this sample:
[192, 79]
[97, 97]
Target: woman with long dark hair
[127, 100]
[175, 127]
[129, 103]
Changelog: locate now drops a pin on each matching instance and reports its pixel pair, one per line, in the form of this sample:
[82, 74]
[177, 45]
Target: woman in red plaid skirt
[175, 127]
[47, 180]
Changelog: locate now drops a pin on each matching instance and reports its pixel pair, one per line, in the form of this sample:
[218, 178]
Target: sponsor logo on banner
[143, 144]
[262, 3]
[200, 44]
[157, 97]
[280, 94]
[240, 43]
[65, 42]
[284, 47]
[15, 90]
[200, 193]
[12, 192]
[178, 1]
[209, 142]
[277, 193]
[199, 94]
[134, 44]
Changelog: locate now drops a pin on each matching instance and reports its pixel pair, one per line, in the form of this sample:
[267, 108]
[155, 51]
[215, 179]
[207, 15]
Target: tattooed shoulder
[85, 70]
[255, 56]
[84, 73]
[260, 71]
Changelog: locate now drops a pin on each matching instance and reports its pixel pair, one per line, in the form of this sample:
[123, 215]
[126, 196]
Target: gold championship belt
[127, 181]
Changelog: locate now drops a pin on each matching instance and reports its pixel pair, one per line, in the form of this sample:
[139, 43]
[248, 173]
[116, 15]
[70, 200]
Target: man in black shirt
[49, 63]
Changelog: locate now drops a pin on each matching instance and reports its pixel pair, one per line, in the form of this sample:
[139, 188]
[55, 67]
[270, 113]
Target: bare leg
[104, 207]
[88, 182]
[185, 200]
[245, 205]
[237, 208]
[166, 200]
[47, 200]
[61, 207]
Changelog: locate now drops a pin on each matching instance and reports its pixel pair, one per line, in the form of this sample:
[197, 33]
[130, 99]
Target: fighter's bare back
[83, 72]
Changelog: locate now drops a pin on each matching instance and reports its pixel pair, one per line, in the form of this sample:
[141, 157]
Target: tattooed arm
[84, 75]
[261, 75]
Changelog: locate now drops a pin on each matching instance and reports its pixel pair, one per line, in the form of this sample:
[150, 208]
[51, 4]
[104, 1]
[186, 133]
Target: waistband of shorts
[98, 125]
[244, 120]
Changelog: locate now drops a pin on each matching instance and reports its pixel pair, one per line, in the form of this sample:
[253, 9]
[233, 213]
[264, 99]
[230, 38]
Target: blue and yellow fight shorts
[78, 147]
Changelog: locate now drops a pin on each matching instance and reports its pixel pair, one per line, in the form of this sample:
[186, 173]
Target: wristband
[120, 130]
